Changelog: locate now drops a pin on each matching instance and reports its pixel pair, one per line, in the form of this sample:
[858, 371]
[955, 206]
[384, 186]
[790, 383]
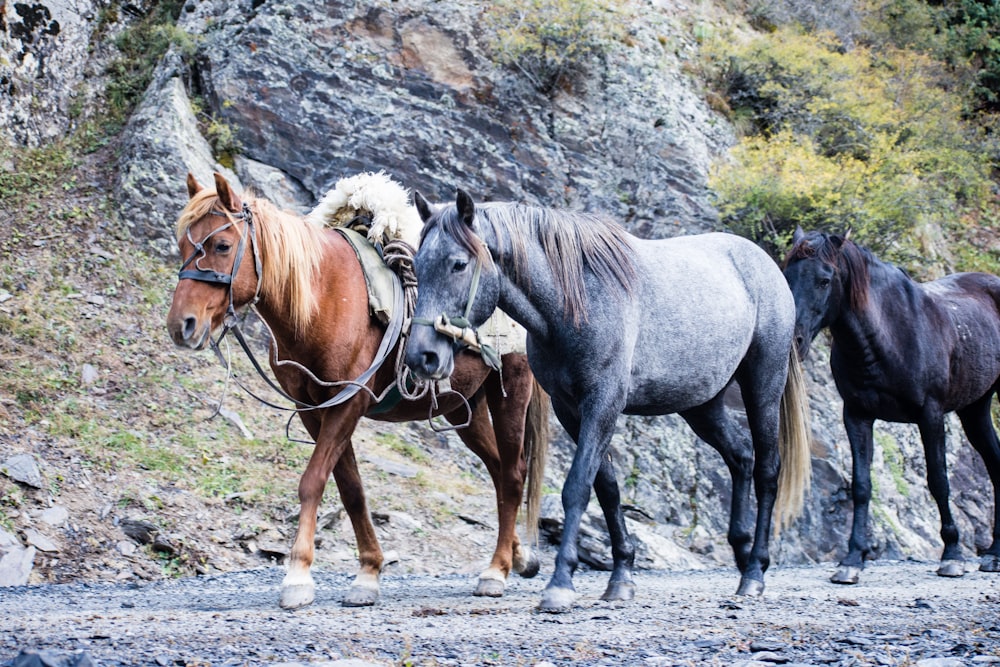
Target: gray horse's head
[456, 279]
[821, 269]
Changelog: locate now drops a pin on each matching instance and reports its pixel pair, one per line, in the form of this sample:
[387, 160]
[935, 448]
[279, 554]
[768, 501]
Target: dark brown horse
[905, 352]
[310, 290]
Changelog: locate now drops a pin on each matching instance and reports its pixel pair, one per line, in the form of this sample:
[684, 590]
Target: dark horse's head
[458, 284]
[825, 272]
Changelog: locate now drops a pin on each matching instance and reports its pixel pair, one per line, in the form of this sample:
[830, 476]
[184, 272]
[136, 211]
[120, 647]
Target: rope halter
[460, 329]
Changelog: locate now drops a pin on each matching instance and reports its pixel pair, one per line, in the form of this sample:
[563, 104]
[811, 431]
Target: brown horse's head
[215, 236]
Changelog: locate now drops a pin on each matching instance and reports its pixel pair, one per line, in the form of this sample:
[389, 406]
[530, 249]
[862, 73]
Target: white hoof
[951, 568]
[557, 600]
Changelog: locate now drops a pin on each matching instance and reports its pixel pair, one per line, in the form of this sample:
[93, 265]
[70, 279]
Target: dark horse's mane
[572, 242]
[845, 256]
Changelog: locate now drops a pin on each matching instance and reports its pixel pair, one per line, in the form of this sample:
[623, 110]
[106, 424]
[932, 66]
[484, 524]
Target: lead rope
[398, 256]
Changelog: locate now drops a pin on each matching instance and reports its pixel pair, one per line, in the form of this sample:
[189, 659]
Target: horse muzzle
[187, 333]
[429, 356]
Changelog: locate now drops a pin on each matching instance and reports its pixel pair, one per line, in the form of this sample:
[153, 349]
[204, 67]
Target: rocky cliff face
[318, 93]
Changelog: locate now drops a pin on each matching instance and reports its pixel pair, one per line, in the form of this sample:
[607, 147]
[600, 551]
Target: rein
[232, 321]
[461, 331]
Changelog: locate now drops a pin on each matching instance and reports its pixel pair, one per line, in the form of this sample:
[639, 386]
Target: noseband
[215, 277]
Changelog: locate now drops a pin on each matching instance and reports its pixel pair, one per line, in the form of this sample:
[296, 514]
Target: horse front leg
[332, 436]
[592, 436]
[933, 436]
[859, 434]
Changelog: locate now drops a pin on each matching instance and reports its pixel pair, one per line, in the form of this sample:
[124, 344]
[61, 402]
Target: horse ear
[466, 207]
[226, 196]
[798, 234]
[423, 206]
[193, 186]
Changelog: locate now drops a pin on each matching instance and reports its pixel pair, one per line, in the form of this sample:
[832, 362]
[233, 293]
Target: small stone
[766, 645]
[88, 375]
[23, 468]
[40, 541]
[941, 662]
[54, 516]
[126, 547]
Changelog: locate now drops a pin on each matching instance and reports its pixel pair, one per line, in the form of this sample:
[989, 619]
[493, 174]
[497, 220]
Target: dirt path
[900, 614]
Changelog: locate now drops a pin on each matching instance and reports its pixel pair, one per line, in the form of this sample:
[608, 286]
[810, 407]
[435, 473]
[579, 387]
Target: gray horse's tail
[794, 439]
[536, 453]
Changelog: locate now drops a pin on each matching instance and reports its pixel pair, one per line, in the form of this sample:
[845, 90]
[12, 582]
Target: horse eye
[222, 247]
[459, 265]
[824, 282]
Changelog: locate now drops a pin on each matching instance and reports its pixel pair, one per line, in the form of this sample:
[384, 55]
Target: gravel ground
[901, 614]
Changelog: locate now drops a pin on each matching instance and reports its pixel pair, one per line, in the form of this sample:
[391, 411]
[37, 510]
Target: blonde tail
[794, 438]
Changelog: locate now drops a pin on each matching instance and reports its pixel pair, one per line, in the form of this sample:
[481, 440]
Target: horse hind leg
[933, 437]
[978, 426]
[508, 479]
[712, 423]
[364, 590]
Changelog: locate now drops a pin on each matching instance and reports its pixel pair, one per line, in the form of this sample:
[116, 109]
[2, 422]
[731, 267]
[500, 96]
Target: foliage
[141, 47]
[859, 139]
[964, 34]
[552, 42]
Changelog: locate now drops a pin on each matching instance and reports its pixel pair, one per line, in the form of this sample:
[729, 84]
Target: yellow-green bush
[552, 42]
[859, 139]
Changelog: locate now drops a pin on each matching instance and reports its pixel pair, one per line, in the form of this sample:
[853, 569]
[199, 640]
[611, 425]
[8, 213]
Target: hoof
[750, 587]
[489, 588]
[846, 574]
[951, 568]
[296, 596]
[557, 600]
[619, 591]
[526, 562]
[360, 596]
[990, 563]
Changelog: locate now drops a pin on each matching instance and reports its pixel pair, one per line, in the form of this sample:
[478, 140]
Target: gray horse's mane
[572, 242]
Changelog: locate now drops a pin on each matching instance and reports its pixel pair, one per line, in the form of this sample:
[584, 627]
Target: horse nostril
[190, 326]
[799, 340]
[429, 360]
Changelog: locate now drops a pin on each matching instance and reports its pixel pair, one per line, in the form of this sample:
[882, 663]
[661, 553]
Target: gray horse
[622, 325]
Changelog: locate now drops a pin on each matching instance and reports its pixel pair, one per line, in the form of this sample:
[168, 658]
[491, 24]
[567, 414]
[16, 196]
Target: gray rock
[160, 145]
[24, 469]
[40, 541]
[54, 516]
[15, 566]
[88, 375]
[51, 658]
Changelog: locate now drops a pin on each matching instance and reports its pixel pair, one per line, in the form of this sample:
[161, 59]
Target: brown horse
[310, 290]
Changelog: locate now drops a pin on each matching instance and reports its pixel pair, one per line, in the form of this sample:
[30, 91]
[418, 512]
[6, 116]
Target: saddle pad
[382, 282]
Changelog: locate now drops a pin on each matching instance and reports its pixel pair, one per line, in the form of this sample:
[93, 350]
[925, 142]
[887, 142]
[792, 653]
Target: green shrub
[839, 140]
[141, 47]
[552, 42]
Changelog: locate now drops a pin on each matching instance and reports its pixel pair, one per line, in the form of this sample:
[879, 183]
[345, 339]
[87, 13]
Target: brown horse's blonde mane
[571, 241]
[289, 251]
[845, 256]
